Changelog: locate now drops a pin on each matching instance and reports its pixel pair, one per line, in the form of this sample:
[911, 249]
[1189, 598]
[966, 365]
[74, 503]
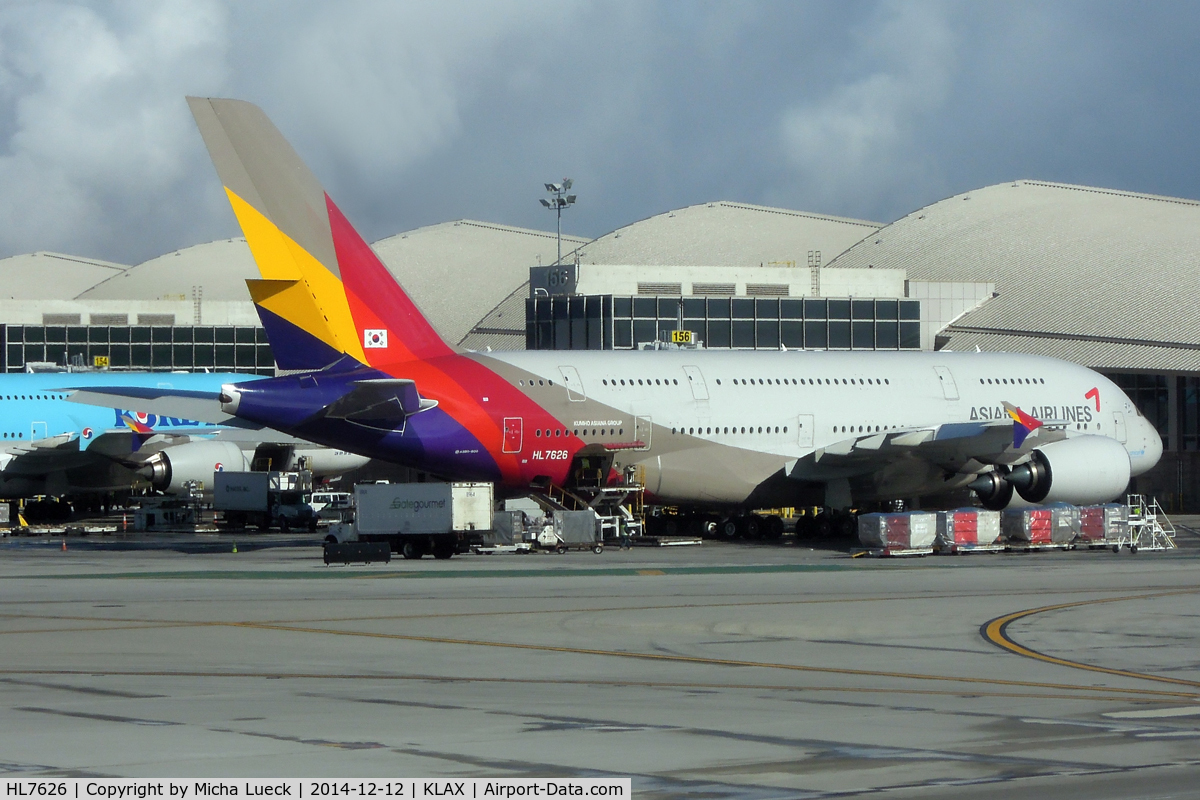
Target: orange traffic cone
[64, 545]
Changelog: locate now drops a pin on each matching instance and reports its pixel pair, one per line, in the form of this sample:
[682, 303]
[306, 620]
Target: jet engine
[1081, 470]
[167, 470]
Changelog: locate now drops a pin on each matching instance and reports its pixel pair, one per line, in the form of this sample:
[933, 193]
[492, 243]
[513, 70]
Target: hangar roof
[220, 268]
[726, 234]
[52, 276]
[1074, 264]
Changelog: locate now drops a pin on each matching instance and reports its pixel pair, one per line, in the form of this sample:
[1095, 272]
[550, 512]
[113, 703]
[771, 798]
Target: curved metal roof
[726, 234]
[52, 276]
[1072, 263]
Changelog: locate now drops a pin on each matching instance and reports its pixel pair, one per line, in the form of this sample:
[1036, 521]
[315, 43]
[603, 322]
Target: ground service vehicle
[418, 518]
[264, 499]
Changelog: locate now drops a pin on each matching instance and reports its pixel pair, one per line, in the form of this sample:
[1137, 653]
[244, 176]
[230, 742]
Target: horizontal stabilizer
[384, 403]
[181, 403]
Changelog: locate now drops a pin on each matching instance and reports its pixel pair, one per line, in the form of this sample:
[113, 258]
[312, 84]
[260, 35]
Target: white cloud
[94, 116]
[855, 144]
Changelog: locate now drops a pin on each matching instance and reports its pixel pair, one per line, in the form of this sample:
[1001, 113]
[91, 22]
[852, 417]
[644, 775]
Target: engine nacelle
[168, 470]
[325, 461]
[1082, 471]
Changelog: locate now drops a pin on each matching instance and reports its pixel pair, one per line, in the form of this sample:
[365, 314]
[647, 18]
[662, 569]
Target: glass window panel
[224, 355]
[545, 335]
[743, 308]
[622, 307]
[595, 332]
[161, 334]
[77, 355]
[863, 309]
[263, 356]
[139, 355]
[182, 356]
[260, 337]
[719, 333]
[910, 336]
[910, 309]
[887, 335]
[766, 308]
[223, 335]
[55, 353]
[245, 355]
[693, 308]
[35, 352]
[839, 309]
[887, 309]
[644, 330]
[668, 308]
[595, 307]
[576, 307]
[696, 326]
[16, 356]
[182, 335]
[98, 334]
[767, 334]
[815, 335]
[543, 309]
[118, 334]
[719, 308]
[791, 333]
[202, 355]
[16, 333]
[839, 335]
[562, 334]
[622, 334]
[160, 356]
[77, 334]
[579, 336]
[56, 334]
[202, 334]
[665, 326]
[244, 335]
[743, 333]
[645, 307]
[864, 335]
[139, 334]
[791, 309]
[816, 309]
[118, 355]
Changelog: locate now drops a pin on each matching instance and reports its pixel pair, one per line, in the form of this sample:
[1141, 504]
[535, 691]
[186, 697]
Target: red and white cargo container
[1100, 525]
[1054, 526]
[968, 529]
[907, 533]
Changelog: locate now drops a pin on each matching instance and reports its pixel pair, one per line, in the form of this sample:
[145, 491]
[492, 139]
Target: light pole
[557, 203]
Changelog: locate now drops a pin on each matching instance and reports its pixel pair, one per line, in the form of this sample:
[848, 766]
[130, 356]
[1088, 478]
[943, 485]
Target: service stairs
[1148, 527]
[618, 508]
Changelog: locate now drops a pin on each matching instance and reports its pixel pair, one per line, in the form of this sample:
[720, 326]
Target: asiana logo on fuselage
[1081, 413]
[155, 421]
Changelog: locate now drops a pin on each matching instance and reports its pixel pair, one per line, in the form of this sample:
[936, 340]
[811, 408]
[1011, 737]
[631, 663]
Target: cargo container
[1099, 525]
[900, 533]
[966, 529]
[418, 518]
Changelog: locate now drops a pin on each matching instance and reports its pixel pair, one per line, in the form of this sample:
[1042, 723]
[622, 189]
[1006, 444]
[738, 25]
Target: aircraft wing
[42, 455]
[186, 404]
[955, 447]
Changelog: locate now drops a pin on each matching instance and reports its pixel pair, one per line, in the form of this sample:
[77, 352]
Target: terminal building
[1083, 274]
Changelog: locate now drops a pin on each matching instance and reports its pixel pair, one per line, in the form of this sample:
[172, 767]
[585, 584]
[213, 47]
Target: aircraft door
[642, 428]
[696, 380]
[804, 430]
[574, 385]
[946, 379]
[38, 430]
[1119, 426]
[513, 434]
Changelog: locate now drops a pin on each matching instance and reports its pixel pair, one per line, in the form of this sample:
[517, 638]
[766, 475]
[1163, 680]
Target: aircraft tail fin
[324, 293]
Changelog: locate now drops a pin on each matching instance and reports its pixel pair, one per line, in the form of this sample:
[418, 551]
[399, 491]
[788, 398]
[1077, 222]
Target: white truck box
[240, 491]
[422, 508]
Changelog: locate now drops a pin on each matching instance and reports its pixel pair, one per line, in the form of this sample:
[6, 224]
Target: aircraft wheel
[774, 528]
[412, 550]
[751, 527]
[729, 529]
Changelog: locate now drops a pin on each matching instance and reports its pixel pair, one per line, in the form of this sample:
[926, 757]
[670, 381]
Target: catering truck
[418, 518]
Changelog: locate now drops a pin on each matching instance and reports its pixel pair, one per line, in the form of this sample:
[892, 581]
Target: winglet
[1023, 424]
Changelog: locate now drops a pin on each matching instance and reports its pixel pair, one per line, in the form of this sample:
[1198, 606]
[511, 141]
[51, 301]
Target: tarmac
[725, 670]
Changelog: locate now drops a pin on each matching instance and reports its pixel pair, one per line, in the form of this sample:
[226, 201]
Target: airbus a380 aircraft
[718, 429]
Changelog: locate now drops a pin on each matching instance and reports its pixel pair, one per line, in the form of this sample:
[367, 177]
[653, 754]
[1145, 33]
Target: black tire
[1133, 549]
[598, 549]
[728, 529]
[1116, 548]
[774, 527]
[749, 526]
[561, 549]
[412, 549]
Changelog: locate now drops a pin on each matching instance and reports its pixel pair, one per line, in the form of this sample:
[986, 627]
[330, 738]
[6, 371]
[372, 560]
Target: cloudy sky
[417, 113]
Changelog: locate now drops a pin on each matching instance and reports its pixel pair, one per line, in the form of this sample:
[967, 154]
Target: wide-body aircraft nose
[1145, 447]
